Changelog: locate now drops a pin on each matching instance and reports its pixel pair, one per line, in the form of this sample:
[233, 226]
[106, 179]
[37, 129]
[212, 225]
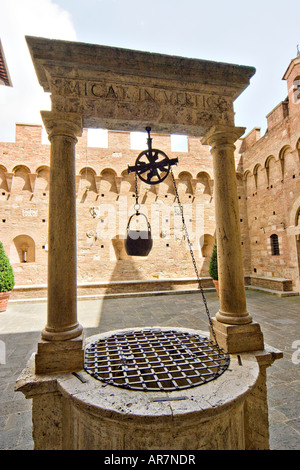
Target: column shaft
[233, 325]
[62, 277]
[61, 345]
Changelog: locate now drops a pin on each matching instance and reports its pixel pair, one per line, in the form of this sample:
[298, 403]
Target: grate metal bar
[153, 360]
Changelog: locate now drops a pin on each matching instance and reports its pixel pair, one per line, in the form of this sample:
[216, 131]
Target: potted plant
[213, 268]
[7, 279]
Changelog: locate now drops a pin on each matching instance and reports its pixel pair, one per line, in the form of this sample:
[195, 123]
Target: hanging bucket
[138, 242]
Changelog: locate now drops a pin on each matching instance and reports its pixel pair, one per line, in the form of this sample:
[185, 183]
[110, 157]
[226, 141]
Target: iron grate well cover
[154, 359]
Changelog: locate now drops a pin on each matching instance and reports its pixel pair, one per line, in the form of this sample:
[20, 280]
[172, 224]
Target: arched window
[22, 250]
[274, 244]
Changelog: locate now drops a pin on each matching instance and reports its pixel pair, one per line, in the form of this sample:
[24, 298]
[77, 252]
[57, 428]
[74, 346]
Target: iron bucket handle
[135, 215]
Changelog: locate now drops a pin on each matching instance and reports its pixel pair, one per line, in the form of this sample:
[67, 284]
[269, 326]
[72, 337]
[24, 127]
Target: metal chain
[193, 258]
[137, 205]
[136, 190]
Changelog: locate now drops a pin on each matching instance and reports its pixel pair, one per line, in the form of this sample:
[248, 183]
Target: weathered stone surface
[57, 356]
[238, 338]
[227, 413]
[95, 86]
[124, 89]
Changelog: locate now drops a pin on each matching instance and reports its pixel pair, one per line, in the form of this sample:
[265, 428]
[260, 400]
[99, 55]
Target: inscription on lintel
[71, 88]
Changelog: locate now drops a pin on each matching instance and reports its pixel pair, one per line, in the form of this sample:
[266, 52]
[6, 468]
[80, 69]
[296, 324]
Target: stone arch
[22, 249]
[246, 174]
[108, 170]
[21, 180]
[288, 163]
[85, 169]
[184, 183]
[273, 175]
[258, 173]
[240, 184]
[293, 215]
[203, 184]
[249, 183]
[19, 168]
[87, 179]
[43, 179]
[108, 184]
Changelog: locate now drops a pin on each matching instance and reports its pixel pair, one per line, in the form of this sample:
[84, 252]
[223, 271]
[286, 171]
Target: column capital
[67, 124]
[222, 135]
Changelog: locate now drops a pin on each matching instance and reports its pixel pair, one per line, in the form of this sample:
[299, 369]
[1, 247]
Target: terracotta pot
[216, 283]
[4, 296]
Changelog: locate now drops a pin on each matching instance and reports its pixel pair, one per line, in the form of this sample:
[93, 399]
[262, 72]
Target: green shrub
[213, 264]
[7, 279]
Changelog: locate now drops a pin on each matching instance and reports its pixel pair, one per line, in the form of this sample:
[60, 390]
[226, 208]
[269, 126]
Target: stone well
[118, 89]
[81, 412]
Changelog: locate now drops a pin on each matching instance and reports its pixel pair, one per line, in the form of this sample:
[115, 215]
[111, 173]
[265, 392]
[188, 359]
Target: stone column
[61, 347]
[233, 325]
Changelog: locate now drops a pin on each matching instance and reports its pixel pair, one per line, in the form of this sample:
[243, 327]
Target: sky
[259, 33]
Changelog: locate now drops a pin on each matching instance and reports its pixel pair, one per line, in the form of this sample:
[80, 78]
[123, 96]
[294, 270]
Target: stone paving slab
[279, 318]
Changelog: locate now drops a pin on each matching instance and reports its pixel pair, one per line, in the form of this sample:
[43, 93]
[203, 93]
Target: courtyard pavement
[21, 324]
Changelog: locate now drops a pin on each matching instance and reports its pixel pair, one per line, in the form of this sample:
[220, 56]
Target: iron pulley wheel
[152, 167]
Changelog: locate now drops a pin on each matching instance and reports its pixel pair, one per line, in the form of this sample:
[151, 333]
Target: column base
[229, 319]
[238, 338]
[59, 356]
[54, 334]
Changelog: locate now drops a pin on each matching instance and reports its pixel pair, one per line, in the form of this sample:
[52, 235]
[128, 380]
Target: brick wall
[105, 199]
[272, 192]
[268, 191]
